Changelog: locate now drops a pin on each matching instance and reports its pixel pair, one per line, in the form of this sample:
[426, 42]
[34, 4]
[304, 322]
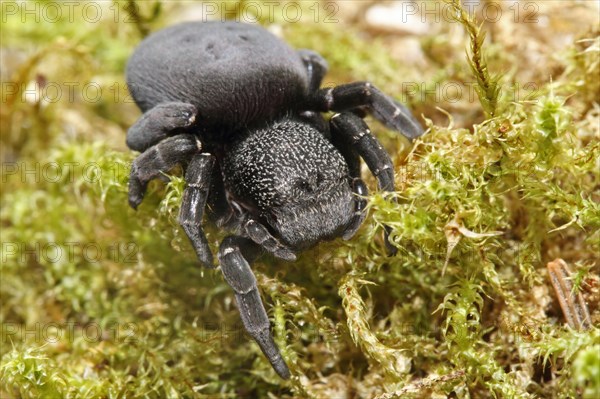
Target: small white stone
[400, 16]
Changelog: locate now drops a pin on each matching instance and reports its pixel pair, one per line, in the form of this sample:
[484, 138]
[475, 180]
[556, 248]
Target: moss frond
[488, 85]
[389, 359]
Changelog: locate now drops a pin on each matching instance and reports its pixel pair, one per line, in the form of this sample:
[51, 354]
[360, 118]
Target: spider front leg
[353, 131]
[232, 256]
[363, 94]
[197, 178]
[159, 123]
[156, 161]
[260, 235]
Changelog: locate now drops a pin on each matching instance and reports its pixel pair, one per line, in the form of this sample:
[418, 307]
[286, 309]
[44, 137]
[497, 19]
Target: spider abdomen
[226, 70]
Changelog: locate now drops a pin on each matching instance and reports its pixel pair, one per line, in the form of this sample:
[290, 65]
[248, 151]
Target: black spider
[241, 110]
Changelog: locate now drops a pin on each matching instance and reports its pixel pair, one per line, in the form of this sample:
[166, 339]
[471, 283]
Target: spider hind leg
[158, 123]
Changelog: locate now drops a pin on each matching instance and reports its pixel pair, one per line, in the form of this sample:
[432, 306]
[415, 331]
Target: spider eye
[320, 178]
[310, 185]
[303, 185]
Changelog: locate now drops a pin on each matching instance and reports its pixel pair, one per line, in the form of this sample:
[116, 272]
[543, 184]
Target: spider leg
[157, 160]
[360, 203]
[316, 120]
[355, 131]
[158, 123]
[198, 178]
[352, 130]
[316, 68]
[239, 276]
[358, 186]
[261, 236]
[360, 94]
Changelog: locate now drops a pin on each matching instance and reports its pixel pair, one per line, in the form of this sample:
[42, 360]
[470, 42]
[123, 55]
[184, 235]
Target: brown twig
[422, 385]
[572, 303]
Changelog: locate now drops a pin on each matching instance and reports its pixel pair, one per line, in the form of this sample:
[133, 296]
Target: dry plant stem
[572, 304]
[422, 385]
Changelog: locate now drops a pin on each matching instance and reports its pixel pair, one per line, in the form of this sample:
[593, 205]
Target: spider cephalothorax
[241, 111]
[294, 179]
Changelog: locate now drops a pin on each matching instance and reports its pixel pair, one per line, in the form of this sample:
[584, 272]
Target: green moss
[32, 372]
[587, 374]
[98, 300]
